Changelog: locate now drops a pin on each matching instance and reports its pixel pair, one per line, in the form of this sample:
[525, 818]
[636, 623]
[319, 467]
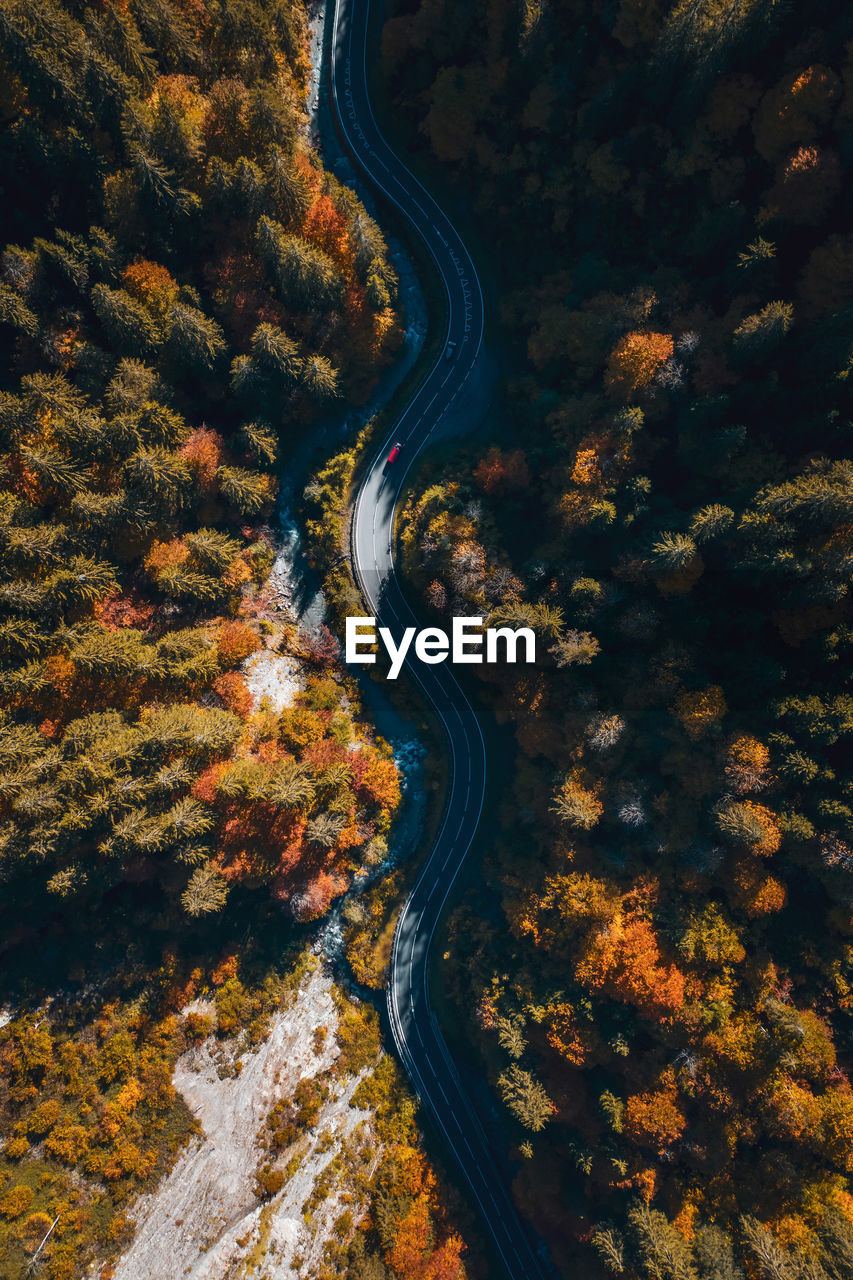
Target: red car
[393, 455]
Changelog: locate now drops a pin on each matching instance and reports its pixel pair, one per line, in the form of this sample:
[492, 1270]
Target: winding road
[417, 1035]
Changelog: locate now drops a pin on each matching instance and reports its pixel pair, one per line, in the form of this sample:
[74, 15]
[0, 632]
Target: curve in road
[417, 1036]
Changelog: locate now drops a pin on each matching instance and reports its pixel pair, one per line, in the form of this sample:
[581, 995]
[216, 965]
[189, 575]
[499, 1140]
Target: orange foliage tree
[654, 1119]
[235, 643]
[151, 284]
[413, 1254]
[326, 227]
[377, 779]
[203, 453]
[754, 892]
[625, 962]
[166, 555]
[635, 360]
[234, 692]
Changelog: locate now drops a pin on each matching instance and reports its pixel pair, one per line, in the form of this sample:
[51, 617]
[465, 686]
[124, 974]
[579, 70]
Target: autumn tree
[635, 360]
[526, 1098]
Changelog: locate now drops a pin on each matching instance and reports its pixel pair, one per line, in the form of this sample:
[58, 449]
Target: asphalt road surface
[416, 1032]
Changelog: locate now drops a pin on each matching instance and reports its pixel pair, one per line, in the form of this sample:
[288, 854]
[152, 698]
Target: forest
[208, 288]
[655, 959]
[185, 291]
